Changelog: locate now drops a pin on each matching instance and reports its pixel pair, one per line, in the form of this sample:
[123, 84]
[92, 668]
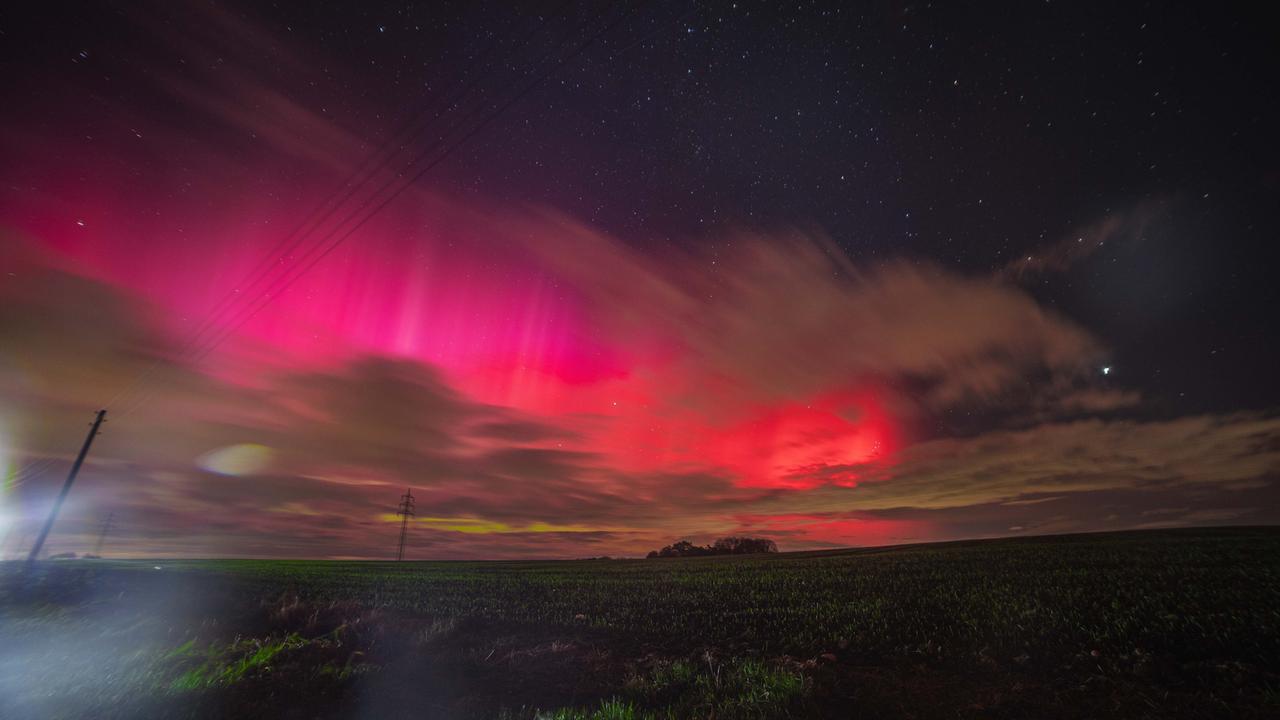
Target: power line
[429, 157]
[403, 186]
[405, 512]
[30, 471]
[347, 189]
[285, 281]
[366, 171]
[200, 350]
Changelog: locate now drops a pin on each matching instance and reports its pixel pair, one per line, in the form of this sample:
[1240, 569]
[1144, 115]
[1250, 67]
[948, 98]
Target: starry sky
[594, 278]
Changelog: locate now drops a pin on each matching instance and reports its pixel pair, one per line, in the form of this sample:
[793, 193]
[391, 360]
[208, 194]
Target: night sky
[591, 278]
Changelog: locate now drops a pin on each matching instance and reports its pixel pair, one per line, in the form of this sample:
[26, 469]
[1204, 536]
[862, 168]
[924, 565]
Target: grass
[231, 663]
[608, 710]
[738, 690]
[1158, 624]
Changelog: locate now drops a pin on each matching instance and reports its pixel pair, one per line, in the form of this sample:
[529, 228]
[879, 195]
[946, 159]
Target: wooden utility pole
[66, 488]
[405, 512]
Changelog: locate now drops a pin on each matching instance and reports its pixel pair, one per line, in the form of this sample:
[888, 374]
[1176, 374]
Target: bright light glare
[239, 460]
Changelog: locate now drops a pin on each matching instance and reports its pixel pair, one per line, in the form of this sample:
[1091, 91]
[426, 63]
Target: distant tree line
[723, 546]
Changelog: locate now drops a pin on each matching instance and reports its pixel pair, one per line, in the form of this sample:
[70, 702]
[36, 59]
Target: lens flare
[237, 460]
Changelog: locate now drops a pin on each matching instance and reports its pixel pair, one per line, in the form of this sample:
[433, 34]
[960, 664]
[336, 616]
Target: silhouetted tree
[723, 546]
[743, 546]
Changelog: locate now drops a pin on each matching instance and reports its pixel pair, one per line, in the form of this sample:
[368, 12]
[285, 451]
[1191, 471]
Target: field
[1179, 623]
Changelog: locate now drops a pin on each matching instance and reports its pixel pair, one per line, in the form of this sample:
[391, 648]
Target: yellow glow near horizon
[480, 526]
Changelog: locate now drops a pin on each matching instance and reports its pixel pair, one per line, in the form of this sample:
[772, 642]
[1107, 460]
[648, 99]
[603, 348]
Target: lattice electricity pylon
[405, 512]
[102, 536]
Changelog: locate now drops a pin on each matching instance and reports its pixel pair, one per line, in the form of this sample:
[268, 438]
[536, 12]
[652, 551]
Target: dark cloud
[1084, 511]
[372, 411]
[515, 430]
[66, 334]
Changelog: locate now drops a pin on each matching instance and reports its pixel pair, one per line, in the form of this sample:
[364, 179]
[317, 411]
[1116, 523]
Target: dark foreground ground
[1153, 624]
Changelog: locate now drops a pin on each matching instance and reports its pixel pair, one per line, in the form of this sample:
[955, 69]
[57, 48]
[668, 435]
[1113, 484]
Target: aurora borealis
[558, 365]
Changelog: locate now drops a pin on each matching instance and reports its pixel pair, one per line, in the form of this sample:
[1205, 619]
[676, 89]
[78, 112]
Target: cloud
[516, 430]
[785, 316]
[1034, 501]
[543, 386]
[1076, 457]
[1093, 400]
[374, 410]
[1107, 509]
[65, 333]
[330, 447]
[1080, 244]
[739, 411]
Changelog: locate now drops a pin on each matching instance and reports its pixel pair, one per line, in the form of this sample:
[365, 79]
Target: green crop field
[1181, 623]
